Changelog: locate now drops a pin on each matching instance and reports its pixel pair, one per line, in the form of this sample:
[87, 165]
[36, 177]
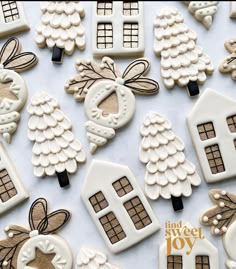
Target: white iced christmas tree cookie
[182, 61]
[168, 173]
[92, 259]
[61, 29]
[203, 11]
[55, 150]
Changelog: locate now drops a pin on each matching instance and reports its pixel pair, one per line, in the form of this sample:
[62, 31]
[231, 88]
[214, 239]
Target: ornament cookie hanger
[13, 90]
[108, 95]
[24, 242]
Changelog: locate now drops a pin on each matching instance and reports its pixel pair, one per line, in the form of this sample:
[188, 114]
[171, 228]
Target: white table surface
[123, 149]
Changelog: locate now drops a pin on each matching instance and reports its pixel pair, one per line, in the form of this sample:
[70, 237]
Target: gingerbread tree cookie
[36, 246]
[203, 11]
[168, 173]
[223, 214]
[61, 29]
[55, 150]
[182, 61]
[229, 64]
[108, 95]
[13, 90]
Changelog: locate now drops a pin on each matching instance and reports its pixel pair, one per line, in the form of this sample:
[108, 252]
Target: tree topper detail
[108, 95]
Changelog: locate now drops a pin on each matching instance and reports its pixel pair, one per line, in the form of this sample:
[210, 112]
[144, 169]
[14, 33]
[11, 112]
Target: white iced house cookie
[212, 126]
[92, 259]
[108, 95]
[229, 64]
[182, 61]
[229, 246]
[11, 190]
[203, 11]
[13, 90]
[168, 173]
[223, 214]
[55, 150]
[37, 246]
[202, 255]
[61, 29]
[117, 205]
[118, 28]
[12, 18]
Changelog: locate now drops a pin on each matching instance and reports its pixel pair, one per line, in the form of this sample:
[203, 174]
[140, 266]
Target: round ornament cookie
[108, 95]
[13, 90]
[37, 246]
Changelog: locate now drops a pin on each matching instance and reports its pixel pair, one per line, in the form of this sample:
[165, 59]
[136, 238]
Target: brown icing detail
[98, 202]
[7, 188]
[130, 35]
[174, 262]
[105, 36]
[223, 214]
[137, 213]
[130, 8]
[231, 121]
[10, 11]
[122, 186]
[112, 228]
[206, 131]
[215, 159]
[42, 260]
[5, 91]
[104, 8]
[109, 105]
[202, 262]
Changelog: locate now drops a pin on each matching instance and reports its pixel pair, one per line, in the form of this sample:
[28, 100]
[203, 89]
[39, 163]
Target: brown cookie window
[231, 121]
[98, 202]
[7, 188]
[215, 159]
[130, 35]
[112, 228]
[104, 36]
[10, 11]
[137, 213]
[104, 7]
[130, 8]
[174, 262]
[202, 262]
[206, 131]
[122, 186]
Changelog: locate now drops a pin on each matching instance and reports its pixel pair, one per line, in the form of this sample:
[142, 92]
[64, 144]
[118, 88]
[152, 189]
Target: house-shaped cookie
[212, 125]
[11, 189]
[117, 28]
[117, 205]
[202, 255]
[12, 18]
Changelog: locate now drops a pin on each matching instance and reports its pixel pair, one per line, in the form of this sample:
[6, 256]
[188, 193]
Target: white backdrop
[123, 149]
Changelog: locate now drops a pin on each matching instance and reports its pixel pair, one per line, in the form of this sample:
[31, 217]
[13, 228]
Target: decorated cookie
[223, 214]
[203, 11]
[198, 253]
[55, 150]
[13, 90]
[168, 173]
[12, 18]
[118, 28]
[117, 205]
[232, 13]
[182, 61]
[61, 29]
[229, 245]
[229, 64]
[89, 258]
[212, 126]
[12, 191]
[37, 246]
[108, 95]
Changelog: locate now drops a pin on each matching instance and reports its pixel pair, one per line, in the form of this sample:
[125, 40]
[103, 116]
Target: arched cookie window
[104, 8]
[104, 36]
[130, 8]
[174, 262]
[130, 35]
[98, 202]
[202, 262]
[122, 186]
[10, 11]
[231, 121]
[206, 131]
[214, 158]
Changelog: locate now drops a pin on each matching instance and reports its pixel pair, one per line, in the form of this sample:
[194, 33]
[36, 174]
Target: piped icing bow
[90, 73]
[40, 222]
